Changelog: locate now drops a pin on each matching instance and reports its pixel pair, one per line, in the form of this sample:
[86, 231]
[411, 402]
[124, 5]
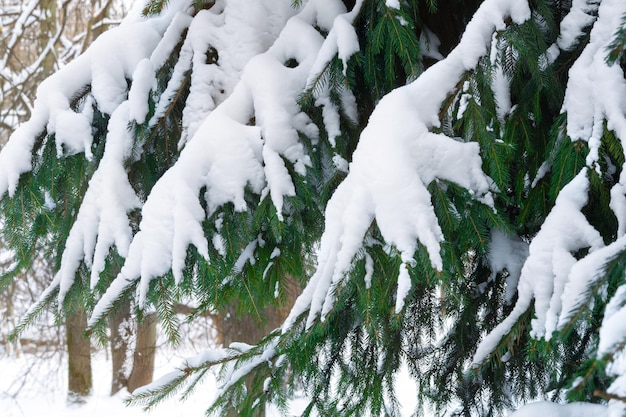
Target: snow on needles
[102, 219]
[547, 269]
[547, 408]
[52, 112]
[396, 158]
[228, 154]
[559, 283]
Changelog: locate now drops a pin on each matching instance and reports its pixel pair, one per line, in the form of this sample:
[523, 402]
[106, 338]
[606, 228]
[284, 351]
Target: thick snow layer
[102, 220]
[584, 275]
[341, 41]
[596, 91]
[52, 113]
[581, 15]
[219, 44]
[614, 324]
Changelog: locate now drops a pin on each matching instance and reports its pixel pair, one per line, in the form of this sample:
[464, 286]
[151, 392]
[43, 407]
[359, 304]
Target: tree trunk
[143, 355]
[119, 347]
[48, 29]
[143, 358]
[79, 380]
[250, 328]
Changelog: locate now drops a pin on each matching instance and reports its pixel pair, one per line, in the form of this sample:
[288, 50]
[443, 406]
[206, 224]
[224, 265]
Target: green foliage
[392, 54]
[616, 50]
[346, 363]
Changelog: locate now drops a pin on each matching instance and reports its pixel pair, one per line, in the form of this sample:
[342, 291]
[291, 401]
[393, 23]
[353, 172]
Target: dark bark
[143, 357]
[119, 347]
[251, 328]
[79, 357]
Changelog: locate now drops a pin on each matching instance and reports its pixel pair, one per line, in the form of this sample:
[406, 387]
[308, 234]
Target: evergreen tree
[444, 179]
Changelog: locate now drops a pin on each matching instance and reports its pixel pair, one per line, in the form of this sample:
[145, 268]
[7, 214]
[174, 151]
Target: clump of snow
[614, 323]
[583, 276]
[508, 253]
[581, 14]
[220, 43]
[500, 83]
[341, 41]
[393, 4]
[429, 44]
[144, 81]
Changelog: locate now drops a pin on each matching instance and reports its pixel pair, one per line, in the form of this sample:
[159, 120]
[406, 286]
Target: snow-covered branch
[558, 282]
[227, 153]
[396, 159]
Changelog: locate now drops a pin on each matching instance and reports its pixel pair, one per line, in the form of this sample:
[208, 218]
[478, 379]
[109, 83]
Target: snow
[614, 324]
[102, 220]
[508, 253]
[242, 122]
[396, 158]
[226, 155]
[595, 91]
[369, 271]
[144, 81]
[559, 283]
[234, 34]
[546, 408]
[404, 286]
[500, 83]
[44, 392]
[247, 256]
[429, 44]
[546, 271]
[18, 29]
[393, 4]
[583, 276]
[341, 41]
[579, 16]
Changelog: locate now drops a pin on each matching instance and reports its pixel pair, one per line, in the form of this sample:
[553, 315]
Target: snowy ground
[31, 387]
[35, 387]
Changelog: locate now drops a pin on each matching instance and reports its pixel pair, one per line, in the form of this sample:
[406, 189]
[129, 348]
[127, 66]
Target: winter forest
[311, 205]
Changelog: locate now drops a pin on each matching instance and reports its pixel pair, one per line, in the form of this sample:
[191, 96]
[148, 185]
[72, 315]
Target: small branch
[609, 396]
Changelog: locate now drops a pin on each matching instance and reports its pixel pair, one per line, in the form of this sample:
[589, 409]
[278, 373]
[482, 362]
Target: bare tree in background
[37, 37]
